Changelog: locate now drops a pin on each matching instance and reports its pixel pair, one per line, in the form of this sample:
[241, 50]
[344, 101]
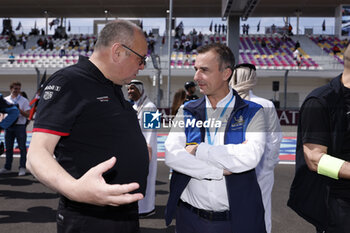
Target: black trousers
[339, 216]
[81, 218]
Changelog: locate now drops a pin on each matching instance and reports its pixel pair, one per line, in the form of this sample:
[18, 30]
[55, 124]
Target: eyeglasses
[143, 58]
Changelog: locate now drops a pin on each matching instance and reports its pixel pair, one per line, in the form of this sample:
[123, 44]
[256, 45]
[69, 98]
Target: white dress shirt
[23, 104]
[207, 188]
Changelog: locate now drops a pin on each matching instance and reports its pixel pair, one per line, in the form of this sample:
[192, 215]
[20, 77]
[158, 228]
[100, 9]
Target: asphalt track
[26, 206]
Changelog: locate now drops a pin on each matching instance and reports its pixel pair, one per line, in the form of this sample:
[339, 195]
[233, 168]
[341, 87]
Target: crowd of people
[222, 175]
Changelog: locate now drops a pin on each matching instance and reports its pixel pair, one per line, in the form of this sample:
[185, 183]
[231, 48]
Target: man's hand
[191, 149]
[91, 188]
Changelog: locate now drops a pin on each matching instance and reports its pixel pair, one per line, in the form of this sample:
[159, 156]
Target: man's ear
[227, 73]
[116, 51]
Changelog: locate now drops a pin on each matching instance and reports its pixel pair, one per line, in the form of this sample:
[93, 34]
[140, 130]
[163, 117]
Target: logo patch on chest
[103, 98]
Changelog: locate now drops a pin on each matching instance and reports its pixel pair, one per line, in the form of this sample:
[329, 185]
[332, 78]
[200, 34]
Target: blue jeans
[19, 132]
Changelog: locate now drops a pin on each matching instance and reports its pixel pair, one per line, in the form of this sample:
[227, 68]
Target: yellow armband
[329, 166]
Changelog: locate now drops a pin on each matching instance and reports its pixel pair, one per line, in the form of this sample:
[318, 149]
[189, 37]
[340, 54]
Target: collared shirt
[207, 188]
[23, 104]
[95, 122]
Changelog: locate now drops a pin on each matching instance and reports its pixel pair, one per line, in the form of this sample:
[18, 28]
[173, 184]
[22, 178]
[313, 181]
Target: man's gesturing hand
[91, 188]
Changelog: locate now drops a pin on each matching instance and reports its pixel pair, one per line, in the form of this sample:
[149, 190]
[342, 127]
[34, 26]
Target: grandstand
[273, 58]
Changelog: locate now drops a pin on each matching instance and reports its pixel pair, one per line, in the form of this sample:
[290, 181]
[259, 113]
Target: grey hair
[121, 31]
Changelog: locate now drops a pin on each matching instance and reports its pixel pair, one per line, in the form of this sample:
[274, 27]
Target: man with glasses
[243, 80]
[83, 119]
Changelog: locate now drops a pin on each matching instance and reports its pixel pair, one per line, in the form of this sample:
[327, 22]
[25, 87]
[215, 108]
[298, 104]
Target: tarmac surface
[26, 206]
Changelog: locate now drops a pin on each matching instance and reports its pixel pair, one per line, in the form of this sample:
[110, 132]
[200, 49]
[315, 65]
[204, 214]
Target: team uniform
[95, 122]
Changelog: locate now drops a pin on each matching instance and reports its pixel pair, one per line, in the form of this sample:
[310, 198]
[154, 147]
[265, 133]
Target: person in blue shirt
[6, 120]
[11, 111]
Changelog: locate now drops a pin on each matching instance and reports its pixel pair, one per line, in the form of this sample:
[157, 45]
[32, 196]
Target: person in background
[320, 191]
[17, 131]
[190, 88]
[11, 58]
[143, 104]
[8, 116]
[243, 81]
[178, 100]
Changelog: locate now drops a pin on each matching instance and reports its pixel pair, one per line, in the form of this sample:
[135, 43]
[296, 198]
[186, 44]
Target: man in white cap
[243, 80]
[141, 104]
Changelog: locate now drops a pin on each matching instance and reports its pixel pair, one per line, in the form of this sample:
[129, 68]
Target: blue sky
[85, 25]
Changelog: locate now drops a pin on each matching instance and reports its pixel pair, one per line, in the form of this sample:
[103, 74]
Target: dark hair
[189, 84]
[226, 58]
[248, 65]
[15, 84]
[121, 31]
[178, 100]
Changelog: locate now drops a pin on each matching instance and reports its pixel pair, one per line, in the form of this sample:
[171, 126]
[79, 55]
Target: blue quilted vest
[247, 210]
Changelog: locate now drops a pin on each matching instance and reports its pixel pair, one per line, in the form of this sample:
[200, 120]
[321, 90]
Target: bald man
[83, 119]
[320, 192]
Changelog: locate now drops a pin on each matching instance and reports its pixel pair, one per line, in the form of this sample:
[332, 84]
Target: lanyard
[221, 115]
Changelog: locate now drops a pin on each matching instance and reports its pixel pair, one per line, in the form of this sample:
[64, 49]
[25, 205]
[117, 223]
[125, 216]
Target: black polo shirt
[95, 122]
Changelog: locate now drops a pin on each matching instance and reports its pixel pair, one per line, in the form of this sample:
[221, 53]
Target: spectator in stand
[321, 39]
[44, 45]
[263, 43]
[244, 28]
[290, 28]
[284, 37]
[273, 28]
[87, 47]
[11, 58]
[181, 47]
[71, 44]
[62, 51]
[76, 44]
[297, 57]
[51, 44]
[39, 42]
[200, 39]
[297, 45]
[24, 41]
[336, 49]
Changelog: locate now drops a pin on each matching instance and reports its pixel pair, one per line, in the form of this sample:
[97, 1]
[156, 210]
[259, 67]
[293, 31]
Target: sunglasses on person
[143, 58]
